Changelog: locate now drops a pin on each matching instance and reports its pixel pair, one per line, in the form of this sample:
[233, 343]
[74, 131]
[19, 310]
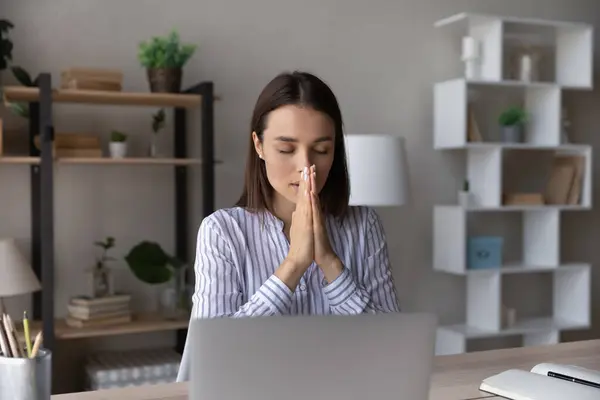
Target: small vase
[164, 80]
[102, 284]
[512, 134]
[173, 302]
[153, 148]
[464, 199]
[118, 149]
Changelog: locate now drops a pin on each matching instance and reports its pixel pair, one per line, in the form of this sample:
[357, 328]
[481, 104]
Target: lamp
[378, 170]
[16, 275]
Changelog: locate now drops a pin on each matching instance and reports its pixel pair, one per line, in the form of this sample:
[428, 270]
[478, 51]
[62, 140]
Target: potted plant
[6, 45]
[118, 144]
[158, 123]
[24, 78]
[6, 48]
[512, 122]
[152, 265]
[102, 284]
[164, 58]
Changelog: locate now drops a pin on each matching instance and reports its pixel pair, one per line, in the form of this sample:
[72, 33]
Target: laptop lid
[366, 356]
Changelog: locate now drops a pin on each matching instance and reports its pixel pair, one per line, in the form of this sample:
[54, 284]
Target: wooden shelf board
[142, 323]
[522, 327]
[130, 161]
[19, 160]
[29, 94]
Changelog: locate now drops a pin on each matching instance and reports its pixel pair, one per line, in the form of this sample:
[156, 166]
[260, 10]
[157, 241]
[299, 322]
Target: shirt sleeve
[217, 291]
[376, 292]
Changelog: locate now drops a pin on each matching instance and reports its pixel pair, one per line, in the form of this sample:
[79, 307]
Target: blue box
[484, 252]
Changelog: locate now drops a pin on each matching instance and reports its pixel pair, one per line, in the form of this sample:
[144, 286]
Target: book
[97, 323]
[91, 301]
[546, 381]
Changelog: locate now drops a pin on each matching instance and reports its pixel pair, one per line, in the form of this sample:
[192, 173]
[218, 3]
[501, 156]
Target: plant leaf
[22, 76]
[149, 263]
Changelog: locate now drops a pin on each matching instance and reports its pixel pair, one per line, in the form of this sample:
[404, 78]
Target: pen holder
[26, 379]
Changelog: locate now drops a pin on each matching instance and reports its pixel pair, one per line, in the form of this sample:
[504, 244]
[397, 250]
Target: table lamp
[16, 275]
[378, 170]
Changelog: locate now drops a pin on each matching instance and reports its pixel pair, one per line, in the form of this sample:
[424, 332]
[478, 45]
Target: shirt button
[303, 287]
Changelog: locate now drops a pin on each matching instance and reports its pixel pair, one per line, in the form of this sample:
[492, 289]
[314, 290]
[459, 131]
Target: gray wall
[380, 57]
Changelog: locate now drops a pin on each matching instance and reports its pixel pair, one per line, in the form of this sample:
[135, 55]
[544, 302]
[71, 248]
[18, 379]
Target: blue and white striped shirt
[237, 253]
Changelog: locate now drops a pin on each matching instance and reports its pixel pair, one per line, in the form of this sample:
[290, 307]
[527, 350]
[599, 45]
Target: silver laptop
[363, 357]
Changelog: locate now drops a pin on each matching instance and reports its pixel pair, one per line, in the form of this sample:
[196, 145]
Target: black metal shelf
[41, 100]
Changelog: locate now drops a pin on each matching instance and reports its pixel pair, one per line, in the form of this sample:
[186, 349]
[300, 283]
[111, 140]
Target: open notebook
[545, 381]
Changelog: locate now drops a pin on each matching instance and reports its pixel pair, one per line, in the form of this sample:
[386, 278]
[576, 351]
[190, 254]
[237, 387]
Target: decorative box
[484, 252]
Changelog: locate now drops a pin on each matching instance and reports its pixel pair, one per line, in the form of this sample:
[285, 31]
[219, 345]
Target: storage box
[484, 252]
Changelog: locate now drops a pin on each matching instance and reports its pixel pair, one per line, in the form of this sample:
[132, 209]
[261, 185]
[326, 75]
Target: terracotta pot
[164, 80]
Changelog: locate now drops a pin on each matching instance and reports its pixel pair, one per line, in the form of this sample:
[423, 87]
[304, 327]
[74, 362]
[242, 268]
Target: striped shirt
[237, 253]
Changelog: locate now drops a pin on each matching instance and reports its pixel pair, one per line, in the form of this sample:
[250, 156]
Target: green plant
[6, 45]
[105, 245]
[165, 52]
[158, 120]
[465, 186]
[24, 78]
[513, 116]
[118, 136]
[151, 264]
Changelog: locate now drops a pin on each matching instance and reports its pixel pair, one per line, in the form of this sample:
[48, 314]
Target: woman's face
[295, 138]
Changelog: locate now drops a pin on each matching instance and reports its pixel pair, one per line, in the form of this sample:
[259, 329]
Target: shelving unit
[141, 323]
[454, 102]
[42, 163]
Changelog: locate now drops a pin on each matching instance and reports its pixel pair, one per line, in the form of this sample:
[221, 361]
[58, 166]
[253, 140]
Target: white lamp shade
[16, 275]
[378, 170]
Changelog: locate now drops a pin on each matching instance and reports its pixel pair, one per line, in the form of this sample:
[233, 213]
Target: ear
[257, 145]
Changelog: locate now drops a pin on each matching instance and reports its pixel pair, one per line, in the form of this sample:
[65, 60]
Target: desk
[455, 377]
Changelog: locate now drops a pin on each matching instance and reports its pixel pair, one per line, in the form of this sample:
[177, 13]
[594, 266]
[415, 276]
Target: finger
[316, 207]
[313, 179]
[301, 188]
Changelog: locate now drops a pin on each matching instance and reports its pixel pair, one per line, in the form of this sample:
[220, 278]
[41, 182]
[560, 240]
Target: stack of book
[92, 79]
[88, 312]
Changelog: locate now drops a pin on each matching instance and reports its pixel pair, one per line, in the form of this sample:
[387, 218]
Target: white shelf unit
[571, 42]
[485, 164]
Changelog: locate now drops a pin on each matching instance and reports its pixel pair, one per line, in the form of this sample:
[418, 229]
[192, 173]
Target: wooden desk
[455, 377]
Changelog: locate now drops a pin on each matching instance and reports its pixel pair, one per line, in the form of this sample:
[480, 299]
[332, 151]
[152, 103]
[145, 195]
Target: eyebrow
[293, 140]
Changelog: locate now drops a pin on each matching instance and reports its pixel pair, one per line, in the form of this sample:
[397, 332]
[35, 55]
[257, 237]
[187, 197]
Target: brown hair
[306, 90]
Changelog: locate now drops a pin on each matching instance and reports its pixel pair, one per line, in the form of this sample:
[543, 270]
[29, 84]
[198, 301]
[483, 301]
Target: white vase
[118, 149]
[464, 199]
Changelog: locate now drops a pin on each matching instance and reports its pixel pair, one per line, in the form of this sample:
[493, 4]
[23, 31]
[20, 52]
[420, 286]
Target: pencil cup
[26, 379]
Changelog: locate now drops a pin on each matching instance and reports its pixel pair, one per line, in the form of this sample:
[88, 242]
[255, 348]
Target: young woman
[293, 245]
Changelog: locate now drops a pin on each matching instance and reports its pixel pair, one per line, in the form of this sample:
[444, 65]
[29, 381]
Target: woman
[293, 245]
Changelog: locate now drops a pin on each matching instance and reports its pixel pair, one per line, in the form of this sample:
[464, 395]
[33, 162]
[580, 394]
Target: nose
[303, 161]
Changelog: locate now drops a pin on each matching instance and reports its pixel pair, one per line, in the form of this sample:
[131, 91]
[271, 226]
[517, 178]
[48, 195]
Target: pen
[574, 380]
[26, 332]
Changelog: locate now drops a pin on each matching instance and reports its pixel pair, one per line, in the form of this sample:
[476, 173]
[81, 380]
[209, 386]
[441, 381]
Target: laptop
[366, 356]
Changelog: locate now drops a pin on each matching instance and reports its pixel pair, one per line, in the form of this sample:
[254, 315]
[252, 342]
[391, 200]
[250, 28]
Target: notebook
[546, 381]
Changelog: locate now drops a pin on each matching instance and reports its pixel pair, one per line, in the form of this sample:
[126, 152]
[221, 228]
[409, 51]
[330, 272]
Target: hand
[301, 252]
[325, 257]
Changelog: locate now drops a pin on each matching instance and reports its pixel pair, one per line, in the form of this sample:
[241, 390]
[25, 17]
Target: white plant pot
[118, 149]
